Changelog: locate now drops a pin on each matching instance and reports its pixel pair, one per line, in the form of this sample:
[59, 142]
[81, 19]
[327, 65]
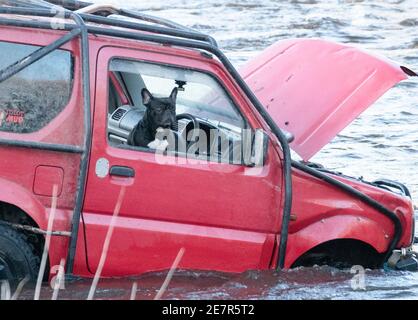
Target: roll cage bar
[157, 30]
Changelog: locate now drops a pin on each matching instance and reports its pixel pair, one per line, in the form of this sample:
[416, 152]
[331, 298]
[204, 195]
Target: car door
[225, 216]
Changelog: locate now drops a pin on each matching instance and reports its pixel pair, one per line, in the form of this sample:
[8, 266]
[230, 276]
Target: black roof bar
[149, 28]
[70, 4]
[26, 11]
[74, 5]
[32, 24]
[39, 12]
[169, 30]
[24, 4]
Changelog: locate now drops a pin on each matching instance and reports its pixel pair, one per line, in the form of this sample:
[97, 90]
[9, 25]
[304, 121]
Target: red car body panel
[324, 213]
[328, 83]
[226, 217]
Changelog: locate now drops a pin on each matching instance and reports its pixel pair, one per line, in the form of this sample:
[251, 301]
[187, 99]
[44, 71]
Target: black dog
[160, 113]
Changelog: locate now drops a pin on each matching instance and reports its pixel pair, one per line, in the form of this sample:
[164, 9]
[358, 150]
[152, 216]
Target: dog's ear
[146, 96]
[173, 95]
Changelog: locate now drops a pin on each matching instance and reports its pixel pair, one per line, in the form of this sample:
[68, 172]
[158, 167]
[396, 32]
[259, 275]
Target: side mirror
[255, 147]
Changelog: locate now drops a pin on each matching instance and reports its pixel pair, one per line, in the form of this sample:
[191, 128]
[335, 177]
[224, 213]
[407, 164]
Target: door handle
[122, 171]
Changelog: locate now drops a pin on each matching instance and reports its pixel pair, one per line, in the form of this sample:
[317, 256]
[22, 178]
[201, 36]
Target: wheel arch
[349, 228]
[15, 195]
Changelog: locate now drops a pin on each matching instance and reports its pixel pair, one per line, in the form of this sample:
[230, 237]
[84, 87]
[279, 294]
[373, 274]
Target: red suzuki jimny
[72, 82]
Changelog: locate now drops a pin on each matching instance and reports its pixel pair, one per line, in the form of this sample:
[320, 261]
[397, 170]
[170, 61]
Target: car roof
[110, 17]
[106, 20]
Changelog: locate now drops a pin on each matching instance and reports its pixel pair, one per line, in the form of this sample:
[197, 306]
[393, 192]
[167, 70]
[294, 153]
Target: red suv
[73, 187]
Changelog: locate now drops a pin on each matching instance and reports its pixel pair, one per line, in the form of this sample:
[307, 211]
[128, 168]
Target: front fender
[335, 228]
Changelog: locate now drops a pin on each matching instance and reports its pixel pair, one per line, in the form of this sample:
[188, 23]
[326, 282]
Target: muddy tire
[18, 258]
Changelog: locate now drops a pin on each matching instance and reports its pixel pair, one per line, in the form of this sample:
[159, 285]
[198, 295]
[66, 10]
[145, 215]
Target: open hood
[314, 88]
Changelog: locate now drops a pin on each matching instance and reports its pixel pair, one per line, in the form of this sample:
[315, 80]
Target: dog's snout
[167, 123]
[168, 119]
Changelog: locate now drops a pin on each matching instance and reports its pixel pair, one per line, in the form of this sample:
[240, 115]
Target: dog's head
[161, 112]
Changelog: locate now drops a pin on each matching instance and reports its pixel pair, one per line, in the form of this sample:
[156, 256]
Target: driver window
[158, 107]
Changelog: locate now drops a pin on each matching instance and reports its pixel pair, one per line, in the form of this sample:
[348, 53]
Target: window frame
[176, 153]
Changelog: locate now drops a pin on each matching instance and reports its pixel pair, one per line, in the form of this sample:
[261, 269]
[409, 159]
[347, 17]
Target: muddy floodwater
[383, 142]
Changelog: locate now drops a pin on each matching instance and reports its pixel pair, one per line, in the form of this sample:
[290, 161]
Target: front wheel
[18, 258]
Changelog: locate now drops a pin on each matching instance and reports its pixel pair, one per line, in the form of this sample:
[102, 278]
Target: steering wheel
[195, 123]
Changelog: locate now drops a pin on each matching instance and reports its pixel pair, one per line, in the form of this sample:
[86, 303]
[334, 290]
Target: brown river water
[382, 142]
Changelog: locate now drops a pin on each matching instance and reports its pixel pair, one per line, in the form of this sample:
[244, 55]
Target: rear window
[36, 95]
